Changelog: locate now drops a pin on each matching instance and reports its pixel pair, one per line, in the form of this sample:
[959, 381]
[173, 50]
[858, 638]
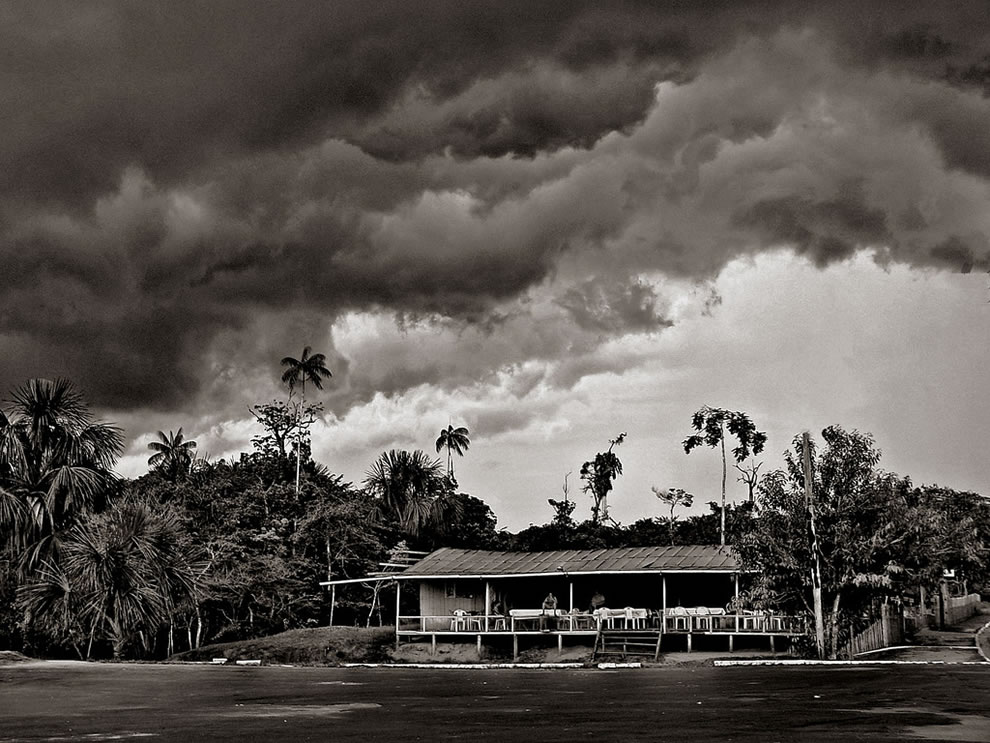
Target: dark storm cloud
[613, 308]
[178, 182]
[93, 88]
[827, 231]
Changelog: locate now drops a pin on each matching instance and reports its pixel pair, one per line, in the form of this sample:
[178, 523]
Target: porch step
[625, 644]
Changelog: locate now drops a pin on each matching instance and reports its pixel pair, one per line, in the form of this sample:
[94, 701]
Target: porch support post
[433, 644]
[488, 608]
[570, 601]
[773, 648]
[560, 644]
[735, 578]
[398, 602]
[479, 646]
[731, 638]
[515, 646]
[663, 606]
[689, 640]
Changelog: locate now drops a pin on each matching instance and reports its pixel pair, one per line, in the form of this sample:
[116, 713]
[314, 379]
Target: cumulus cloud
[443, 193]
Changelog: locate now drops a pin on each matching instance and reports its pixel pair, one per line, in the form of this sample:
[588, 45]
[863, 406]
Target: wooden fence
[884, 632]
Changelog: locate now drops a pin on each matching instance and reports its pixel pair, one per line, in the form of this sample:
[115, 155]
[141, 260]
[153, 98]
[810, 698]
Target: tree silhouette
[120, 576]
[563, 509]
[173, 455]
[56, 463]
[673, 497]
[598, 475]
[712, 425]
[307, 368]
[751, 476]
[412, 491]
[455, 440]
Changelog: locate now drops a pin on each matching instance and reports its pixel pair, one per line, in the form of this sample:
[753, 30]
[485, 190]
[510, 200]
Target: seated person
[548, 619]
[597, 601]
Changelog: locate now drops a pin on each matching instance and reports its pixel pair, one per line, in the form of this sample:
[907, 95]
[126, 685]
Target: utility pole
[816, 570]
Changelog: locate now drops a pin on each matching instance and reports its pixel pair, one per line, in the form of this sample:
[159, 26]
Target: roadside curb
[462, 666]
[915, 647]
[979, 633]
[723, 663]
[488, 666]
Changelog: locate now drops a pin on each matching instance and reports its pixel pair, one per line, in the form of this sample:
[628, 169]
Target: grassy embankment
[8, 657]
[317, 646]
[335, 645]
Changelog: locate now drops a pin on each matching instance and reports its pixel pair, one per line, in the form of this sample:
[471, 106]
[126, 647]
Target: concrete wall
[958, 608]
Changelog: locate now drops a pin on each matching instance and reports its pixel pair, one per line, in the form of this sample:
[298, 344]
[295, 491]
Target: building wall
[440, 598]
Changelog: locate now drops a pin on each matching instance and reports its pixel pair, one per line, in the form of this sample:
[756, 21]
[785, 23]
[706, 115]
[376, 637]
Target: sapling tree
[712, 425]
[563, 509]
[674, 498]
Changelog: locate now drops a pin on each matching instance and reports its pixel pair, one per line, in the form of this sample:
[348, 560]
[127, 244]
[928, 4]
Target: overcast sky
[548, 222]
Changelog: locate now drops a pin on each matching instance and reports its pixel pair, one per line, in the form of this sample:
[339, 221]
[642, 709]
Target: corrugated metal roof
[450, 561]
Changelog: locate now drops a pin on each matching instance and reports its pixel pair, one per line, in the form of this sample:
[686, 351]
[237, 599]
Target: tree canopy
[100, 566]
[879, 538]
[598, 475]
[173, 454]
[455, 441]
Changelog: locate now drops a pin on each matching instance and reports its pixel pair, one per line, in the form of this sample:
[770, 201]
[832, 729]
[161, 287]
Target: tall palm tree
[55, 460]
[455, 440]
[173, 454]
[411, 491]
[307, 368]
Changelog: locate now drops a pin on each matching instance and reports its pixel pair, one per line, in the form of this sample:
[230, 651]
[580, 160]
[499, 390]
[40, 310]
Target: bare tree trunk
[834, 640]
[299, 412]
[89, 645]
[722, 526]
[329, 559]
[374, 603]
[199, 626]
[816, 571]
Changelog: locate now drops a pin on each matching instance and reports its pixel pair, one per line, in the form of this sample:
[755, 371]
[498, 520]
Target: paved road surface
[93, 702]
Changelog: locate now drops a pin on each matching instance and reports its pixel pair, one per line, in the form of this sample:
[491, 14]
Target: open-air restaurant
[677, 591]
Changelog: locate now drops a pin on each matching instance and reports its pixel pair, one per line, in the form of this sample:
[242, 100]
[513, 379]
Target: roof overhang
[369, 579]
[558, 573]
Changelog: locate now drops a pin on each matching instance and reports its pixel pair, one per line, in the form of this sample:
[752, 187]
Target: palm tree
[120, 575]
[455, 440]
[173, 454]
[307, 368]
[411, 491]
[55, 460]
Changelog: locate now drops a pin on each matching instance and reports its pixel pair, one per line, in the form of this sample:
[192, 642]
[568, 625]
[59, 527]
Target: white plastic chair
[459, 622]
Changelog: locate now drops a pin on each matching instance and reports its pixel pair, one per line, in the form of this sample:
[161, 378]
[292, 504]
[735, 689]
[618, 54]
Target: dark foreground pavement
[92, 702]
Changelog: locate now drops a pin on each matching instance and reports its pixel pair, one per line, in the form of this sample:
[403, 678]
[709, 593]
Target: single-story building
[651, 592]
